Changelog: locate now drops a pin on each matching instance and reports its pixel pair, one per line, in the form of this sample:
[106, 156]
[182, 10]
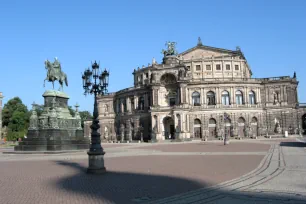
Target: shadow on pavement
[123, 187]
[293, 144]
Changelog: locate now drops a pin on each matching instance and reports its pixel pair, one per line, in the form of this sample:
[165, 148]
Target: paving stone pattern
[162, 173]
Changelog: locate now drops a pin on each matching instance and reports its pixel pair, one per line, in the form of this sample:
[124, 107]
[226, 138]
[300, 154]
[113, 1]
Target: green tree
[71, 110]
[10, 107]
[15, 116]
[85, 115]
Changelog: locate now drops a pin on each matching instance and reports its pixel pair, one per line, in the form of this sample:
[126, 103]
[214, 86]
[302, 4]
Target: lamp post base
[96, 163]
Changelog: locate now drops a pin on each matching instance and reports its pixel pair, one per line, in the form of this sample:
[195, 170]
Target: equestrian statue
[55, 73]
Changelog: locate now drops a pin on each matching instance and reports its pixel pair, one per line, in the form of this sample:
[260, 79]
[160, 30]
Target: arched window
[212, 121]
[196, 98]
[197, 128]
[252, 97]
[211, 98]
[241, 120]
[239, 98]
[197, 122]
[225, 98]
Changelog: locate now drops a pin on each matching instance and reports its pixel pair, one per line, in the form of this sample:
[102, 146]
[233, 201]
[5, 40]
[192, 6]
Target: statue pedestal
[55, 129]
[171, 59]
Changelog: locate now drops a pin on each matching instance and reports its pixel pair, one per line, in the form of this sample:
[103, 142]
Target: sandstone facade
[202, 93]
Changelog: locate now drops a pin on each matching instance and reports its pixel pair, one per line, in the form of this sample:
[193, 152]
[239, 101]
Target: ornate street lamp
[95, 83]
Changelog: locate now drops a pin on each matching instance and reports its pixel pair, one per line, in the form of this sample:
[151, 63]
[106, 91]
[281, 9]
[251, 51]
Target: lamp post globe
[93, 83]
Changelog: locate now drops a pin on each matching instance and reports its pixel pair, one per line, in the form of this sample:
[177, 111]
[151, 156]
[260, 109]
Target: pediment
[206, 52]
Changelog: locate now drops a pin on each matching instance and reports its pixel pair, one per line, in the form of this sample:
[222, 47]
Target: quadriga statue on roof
[55, 73]
[171, 50]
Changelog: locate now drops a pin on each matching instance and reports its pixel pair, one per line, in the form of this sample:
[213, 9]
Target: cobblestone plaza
[247, 171]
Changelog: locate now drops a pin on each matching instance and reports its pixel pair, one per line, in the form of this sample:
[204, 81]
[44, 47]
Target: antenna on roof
[199, 41]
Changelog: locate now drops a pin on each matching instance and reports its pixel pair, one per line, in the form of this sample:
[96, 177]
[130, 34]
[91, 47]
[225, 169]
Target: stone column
[205, 97]
[183, 122]
[232, 98]
[135, 102]
[191, 121]
[129, 130]
[178, 96]
[257, 95]
[128, 104]
[212, 68]
[157, 124]
[203, 126]
[181, 94]
[285, 94]
[117, 106]
[122, 132]
[121, 107]
[246, 91]
[267, 95]
[218, 96]
[192, 70]
[187, 121]
[187, 96]
[202, 96]
[155, 96]
[136, 127]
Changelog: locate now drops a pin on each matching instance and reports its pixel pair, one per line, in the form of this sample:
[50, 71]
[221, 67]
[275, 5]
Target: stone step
[51, 147]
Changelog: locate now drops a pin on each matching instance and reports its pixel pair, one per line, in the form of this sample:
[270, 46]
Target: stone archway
[241, 127]
[169, 129]
[228, 127]
[197, 129]
[254, 127]
[212, 128]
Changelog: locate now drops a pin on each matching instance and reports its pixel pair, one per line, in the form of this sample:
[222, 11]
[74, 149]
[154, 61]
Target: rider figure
[57, 65]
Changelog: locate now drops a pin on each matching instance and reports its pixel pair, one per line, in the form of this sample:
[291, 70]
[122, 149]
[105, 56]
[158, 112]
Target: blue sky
[123, 35]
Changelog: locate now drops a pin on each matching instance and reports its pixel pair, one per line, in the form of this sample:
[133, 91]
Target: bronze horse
[55, 73]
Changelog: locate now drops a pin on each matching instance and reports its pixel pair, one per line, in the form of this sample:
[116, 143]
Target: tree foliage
[85, 115]
[71, 110]
[15, 116]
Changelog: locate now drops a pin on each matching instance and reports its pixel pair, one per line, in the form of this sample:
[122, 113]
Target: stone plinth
[55, 129]
[171, 59]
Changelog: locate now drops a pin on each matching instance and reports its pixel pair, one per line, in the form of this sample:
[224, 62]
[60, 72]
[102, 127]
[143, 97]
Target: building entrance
[169, 131]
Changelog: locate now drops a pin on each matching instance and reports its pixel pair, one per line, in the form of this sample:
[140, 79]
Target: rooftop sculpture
[171, 50]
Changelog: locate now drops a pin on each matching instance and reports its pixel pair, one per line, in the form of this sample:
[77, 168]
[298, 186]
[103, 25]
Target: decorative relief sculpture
[275, 97]
[106, 132]
[53, 123]
[153, 61]
[33, 119]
